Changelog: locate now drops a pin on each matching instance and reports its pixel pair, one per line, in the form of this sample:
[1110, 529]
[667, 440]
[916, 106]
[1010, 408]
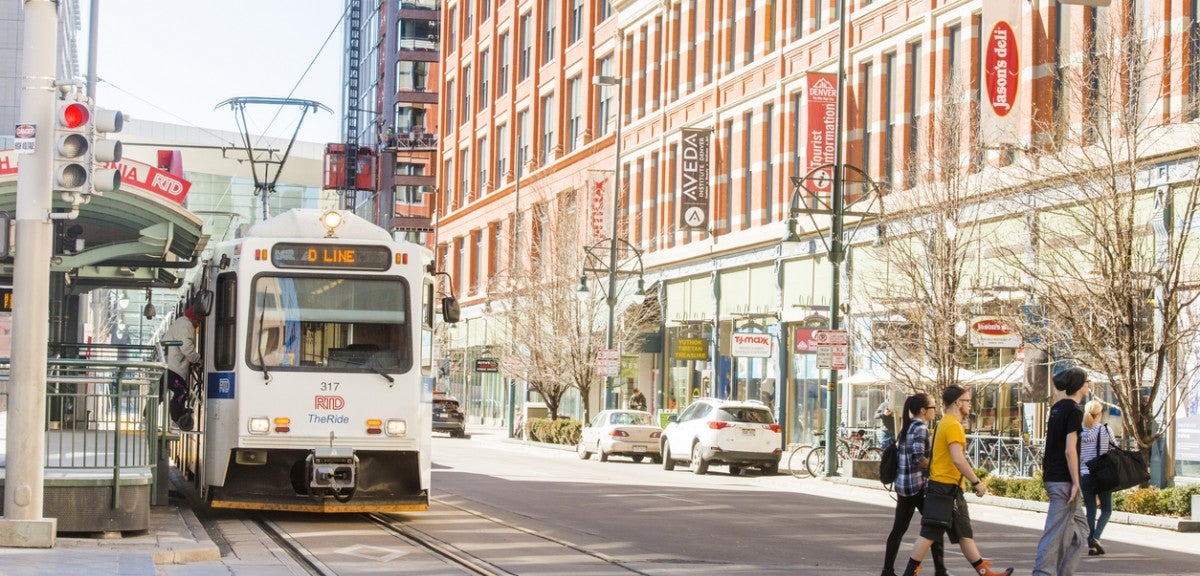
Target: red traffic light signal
[74, 115]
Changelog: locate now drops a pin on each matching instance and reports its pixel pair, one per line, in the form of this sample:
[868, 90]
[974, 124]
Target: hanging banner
[597, 213]
[821, 136]
[751, 345]
[693, 201]
[1001, 72]
[994, 332]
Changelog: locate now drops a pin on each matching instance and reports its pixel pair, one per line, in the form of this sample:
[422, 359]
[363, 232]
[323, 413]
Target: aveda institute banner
[693, 197]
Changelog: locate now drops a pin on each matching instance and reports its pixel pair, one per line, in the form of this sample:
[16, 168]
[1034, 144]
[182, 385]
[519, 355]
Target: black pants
[177, 386]
[905, 505]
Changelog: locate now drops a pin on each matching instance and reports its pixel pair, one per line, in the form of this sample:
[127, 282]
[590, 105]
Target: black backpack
[889, 463]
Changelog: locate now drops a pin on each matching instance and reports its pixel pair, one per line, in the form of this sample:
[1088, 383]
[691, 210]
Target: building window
[653, 200]
[747, 162]
[769, 146]
[485, 74]
[1193, 60]
[502, 145]
[976, 95]
[886, 104]
[447, 174]
[731, 39]
[522, 141]
[914, 112]
[468, 18]
[481, 163]
[549, 120]
[497, 248]
[604, 97]
[409, 119]
[692, 48]
[577, 8]
[868, 128]
[728, 175]
[450, 99]
[526, 47]
[751, 15]
[466, 94]
[412, 76]
[485, 9]
[452, 27]
[953, 38]
[417, 35]
[502, 80]
[476, 259]
[549, 29]
[818, 17]
[464, 186]
[643, 54]
[406, 194]
[606, 10]
[797, 137]
[574, 111]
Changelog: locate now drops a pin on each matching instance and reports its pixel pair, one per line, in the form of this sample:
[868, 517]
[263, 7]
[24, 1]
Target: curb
[1118, 517]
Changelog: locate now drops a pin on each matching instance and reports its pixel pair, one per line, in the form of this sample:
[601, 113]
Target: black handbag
[939, 504]
[1117, 469]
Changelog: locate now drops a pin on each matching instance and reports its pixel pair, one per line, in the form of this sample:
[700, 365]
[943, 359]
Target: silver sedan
[629, 433]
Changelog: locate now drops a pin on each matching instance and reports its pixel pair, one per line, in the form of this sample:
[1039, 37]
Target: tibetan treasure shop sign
[994, 332]
[690, 349]
[750, 345]
[693, 194]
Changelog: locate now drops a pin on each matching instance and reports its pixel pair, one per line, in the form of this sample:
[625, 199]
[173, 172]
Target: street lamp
[628, 264]
[618, 84]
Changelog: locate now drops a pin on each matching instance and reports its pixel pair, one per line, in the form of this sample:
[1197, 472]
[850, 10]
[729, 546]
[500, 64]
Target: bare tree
[917, 298]
[554, 331]
[1109, 266]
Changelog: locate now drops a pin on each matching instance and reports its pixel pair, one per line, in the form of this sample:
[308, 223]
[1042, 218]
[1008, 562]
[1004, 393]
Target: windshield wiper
[379, 371]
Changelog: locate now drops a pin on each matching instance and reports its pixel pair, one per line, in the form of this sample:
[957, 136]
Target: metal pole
[612, 247]
[835, 246]
[26, 442]
[93, 38]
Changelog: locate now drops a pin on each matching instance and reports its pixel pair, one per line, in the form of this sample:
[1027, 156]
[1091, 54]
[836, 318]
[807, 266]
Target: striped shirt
[910, 477]
[1088, 445]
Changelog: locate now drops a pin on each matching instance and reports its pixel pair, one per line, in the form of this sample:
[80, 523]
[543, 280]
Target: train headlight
[259, 425]
[331, 220]
[397, 427]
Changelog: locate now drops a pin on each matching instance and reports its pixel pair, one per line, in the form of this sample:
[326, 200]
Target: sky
[176, 60]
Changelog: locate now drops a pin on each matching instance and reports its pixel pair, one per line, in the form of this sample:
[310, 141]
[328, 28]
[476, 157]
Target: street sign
[833, 349]
[608, 362]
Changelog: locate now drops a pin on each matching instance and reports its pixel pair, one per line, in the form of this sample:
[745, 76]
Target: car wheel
[770, 469]
[699, 464]
[656, 459]
[583, 453]
[603, 455]
[638, 459]
[667, 462]
[735, 470]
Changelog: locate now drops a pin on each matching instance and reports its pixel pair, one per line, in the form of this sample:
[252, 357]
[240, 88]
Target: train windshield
[326, 323]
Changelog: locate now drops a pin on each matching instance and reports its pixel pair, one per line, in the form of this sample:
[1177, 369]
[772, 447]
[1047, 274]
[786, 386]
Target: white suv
[712, 431]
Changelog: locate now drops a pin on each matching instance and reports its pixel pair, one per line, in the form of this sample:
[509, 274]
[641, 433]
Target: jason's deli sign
[748, 345]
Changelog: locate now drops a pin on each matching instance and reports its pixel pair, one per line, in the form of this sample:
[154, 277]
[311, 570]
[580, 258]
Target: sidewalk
[175, 537]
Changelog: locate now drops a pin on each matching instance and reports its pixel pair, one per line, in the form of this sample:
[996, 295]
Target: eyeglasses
[931, 407]
[963, 400]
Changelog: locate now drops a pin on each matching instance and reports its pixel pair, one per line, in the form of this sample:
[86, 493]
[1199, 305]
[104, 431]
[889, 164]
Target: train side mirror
[203, 304]
[450, 311]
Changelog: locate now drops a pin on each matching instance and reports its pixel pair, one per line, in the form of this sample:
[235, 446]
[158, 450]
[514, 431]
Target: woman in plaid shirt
[913, 453]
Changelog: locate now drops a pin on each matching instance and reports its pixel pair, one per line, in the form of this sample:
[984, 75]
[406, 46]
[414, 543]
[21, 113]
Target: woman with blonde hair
[1094, 442]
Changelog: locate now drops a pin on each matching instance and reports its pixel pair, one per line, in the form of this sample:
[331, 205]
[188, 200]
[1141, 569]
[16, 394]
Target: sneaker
[985, 569]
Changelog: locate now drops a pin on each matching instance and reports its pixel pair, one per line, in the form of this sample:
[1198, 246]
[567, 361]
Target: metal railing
[1009, 456]
[102, 410]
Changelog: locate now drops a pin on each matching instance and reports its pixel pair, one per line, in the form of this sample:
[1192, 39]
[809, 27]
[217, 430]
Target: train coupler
[332, 470]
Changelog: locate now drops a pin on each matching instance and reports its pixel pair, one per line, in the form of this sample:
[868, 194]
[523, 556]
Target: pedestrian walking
[948, 468]
[913, 458]
[1096, 437]
[1061, 545]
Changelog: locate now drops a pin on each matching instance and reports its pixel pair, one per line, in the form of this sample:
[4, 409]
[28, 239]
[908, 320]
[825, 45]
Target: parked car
[629, 433]
[723, 432]
[448, 416]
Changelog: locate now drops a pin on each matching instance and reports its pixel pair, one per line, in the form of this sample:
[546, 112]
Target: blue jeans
[1095, 525]
[1065, 535]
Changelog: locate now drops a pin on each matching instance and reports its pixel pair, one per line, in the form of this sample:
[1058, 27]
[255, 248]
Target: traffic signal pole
[23, 525]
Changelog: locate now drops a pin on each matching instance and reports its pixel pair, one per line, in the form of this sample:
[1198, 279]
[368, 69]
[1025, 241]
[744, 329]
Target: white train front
[316, 389]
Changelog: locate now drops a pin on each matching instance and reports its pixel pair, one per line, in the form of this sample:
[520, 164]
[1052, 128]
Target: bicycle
[856, 446]
[796, 461]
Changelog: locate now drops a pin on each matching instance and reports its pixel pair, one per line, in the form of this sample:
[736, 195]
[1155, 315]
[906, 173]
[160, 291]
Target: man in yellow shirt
[948, 469]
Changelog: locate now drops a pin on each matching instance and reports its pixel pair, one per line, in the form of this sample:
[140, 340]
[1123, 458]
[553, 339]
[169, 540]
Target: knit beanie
[1070, 380]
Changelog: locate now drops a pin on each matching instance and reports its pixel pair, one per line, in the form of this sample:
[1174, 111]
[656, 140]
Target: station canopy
[140, 236]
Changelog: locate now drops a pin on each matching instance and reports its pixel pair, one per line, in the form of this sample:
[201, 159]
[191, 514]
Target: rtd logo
[166, 184]
[329, 402]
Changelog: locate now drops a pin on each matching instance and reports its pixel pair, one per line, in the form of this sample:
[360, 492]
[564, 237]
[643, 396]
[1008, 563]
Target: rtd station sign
[833, 349]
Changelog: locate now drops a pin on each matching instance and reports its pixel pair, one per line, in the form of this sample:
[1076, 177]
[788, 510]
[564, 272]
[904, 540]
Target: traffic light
[105, 151]
[72, 158]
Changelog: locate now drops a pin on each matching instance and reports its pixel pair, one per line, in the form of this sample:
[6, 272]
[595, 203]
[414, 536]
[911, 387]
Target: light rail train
[316, 386]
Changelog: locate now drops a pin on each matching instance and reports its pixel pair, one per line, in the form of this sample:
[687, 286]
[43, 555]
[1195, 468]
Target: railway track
[411, 539]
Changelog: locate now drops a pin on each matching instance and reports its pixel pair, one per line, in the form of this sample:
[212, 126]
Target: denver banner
[821, 136]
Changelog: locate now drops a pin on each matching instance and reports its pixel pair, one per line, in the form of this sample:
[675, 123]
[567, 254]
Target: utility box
[336, 173]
